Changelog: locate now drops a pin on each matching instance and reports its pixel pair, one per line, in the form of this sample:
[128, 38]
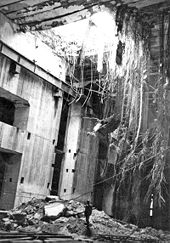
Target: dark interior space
[2, 173]
[4, 159]
[7, 111]
[9, 172]
[100, 173]
[59, 150]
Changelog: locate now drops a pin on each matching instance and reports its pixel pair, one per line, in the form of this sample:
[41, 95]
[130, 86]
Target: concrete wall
[36, 139]
[71, 147]
[158, 72]
[35, 129]
[86, 162]
[12, 138]
[12, 166]
[30, 46]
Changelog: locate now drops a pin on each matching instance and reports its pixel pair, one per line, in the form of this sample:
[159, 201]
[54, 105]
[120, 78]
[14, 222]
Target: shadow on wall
[9, 172]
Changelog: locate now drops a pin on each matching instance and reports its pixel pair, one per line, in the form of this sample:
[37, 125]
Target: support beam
[32, 67]
[38, 15]
[44, 14]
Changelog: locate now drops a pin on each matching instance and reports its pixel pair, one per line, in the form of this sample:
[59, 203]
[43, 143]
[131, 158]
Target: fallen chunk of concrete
[52, 198]
[3, 214]
[37, 216]
[5, 219]
[19, 217]
[54, 210]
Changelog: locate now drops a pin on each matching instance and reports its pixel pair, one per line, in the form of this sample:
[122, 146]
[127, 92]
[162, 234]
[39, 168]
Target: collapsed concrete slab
[54, 210]
[102, 226]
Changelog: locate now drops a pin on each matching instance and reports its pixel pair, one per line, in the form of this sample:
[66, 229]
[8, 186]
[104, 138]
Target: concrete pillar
[71, 146]
[87, 158]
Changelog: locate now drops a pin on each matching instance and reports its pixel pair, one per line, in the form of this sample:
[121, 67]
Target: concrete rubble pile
[52, 215]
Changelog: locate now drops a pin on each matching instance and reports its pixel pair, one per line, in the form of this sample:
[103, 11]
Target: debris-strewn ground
[52, 215]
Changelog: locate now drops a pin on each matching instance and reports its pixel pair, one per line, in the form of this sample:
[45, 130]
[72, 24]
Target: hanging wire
[91, 84]
[111, 177]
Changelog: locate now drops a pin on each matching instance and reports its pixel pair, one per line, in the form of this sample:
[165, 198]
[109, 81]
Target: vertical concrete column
[71, 146]
[55, 129]
[57, 118]
[86, 162]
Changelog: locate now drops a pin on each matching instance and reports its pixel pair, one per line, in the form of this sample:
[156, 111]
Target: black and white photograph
[85, 121]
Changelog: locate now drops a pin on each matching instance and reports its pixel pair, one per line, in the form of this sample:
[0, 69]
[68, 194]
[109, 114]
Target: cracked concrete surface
[44, 14]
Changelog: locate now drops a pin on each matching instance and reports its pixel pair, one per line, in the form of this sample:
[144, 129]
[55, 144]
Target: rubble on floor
[52, 215]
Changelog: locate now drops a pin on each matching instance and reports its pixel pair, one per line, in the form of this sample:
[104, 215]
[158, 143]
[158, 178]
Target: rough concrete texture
[35, 141]
[71, 147]
[31, 47]
[86, 162]
[46, 14]
[53, 210]
[30, 218]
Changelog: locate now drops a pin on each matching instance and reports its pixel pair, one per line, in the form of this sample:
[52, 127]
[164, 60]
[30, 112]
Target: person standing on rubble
[88, 212]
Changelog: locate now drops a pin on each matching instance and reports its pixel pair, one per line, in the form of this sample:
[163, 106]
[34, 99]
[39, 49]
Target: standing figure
[88, 212]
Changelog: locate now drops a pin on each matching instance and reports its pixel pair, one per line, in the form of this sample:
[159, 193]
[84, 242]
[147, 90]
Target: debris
[74, 208]
[67, 218]
[51, 198]
[3, 214]
[37, 216]
[19, 217]
[54, 210]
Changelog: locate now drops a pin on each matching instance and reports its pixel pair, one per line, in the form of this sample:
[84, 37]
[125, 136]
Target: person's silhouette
[88, 212]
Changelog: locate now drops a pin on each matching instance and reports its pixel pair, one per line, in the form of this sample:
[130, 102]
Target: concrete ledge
[32, 67]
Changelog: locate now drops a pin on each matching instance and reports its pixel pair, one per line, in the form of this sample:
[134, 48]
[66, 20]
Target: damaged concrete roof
[44, 14]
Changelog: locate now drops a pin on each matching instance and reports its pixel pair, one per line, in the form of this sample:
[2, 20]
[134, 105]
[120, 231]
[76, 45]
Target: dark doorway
[59, 150]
